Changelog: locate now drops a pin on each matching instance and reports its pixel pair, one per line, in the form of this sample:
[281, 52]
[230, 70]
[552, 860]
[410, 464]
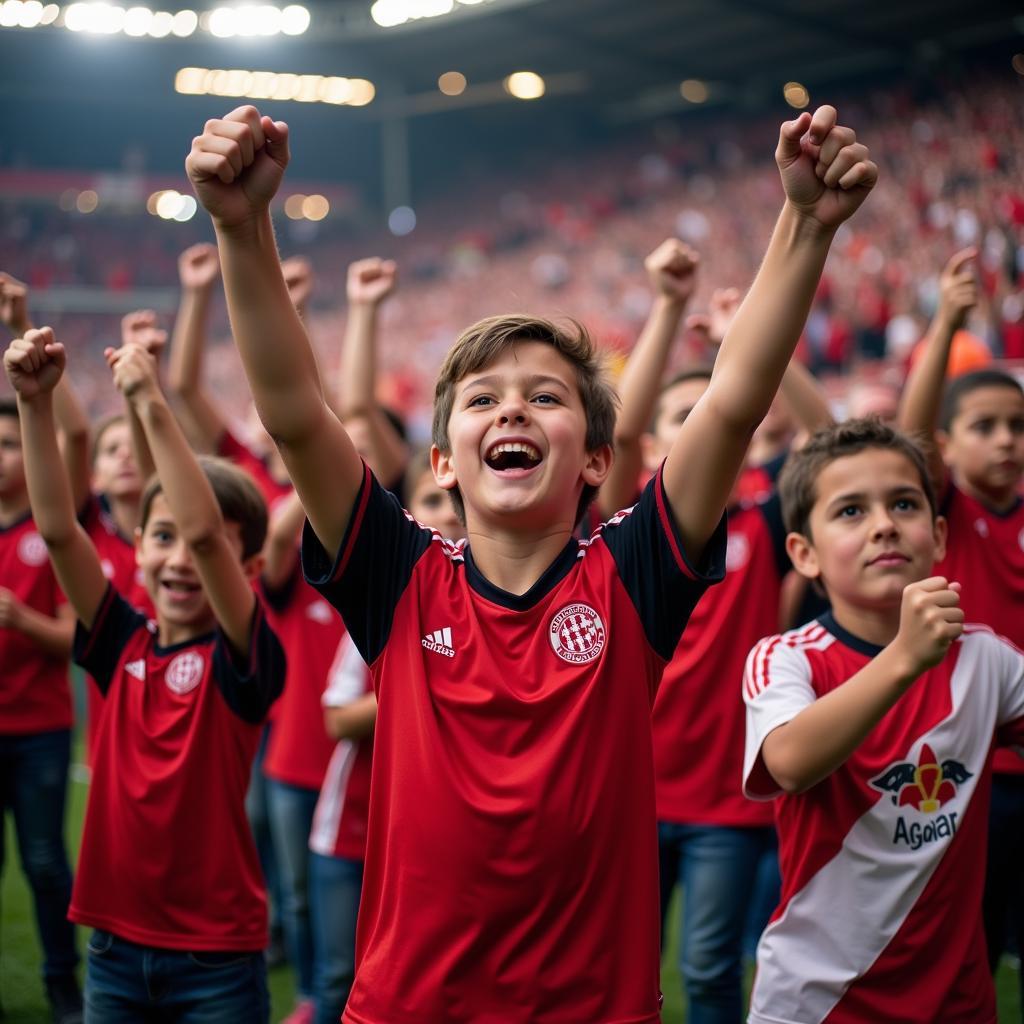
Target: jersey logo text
[577, 634]
[440, 642]
[184, 672]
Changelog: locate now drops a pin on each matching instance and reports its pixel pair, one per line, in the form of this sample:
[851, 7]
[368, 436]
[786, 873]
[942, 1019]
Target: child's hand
[198, 266]
[930, 620]
[958, 289]
[134, 371]
[10, 610]
[14, 305]
[672, 270]
[371, 281]
[35, 363]
[825, 171]
[140, 328]
[237, 164]
[298, 278]
[721, 310]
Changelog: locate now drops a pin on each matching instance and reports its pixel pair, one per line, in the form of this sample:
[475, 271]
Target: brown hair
[237, 495]
[960, 387]
[799, 477]
[478, 346]
[101, 428]
[684, 376]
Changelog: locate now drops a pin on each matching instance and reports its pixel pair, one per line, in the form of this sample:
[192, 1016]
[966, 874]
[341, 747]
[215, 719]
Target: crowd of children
[456, 724]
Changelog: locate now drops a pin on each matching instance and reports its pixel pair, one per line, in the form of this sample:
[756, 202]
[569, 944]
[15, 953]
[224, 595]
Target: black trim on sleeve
[280, 597]
[98, 650]
[251, 684]
[771, 509]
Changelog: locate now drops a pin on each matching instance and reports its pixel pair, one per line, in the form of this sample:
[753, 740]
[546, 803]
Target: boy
[511, 866]
[977, 421]
[168, 874]
[873, 728]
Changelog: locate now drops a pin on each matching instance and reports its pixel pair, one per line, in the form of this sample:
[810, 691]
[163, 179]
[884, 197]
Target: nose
[514, 409]
[179, 555]
[883, 524]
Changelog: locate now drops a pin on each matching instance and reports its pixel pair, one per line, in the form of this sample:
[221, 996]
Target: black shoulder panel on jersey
[373, 565]
[771, 509]
[98, 650]
[250, 685]
[662, 583]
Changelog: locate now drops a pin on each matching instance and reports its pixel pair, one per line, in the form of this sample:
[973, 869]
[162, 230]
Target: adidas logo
[440, 642]
[136, 669]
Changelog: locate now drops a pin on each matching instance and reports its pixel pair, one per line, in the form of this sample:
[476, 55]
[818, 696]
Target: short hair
[237, 495]
[959, 387]
[101, 428]
[478, 346]
[799, 477]
[682, 377]
[9, 408]
[416, 467]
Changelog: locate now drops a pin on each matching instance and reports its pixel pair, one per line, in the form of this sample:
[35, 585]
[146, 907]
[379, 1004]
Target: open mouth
[512, 456]
[180, 587]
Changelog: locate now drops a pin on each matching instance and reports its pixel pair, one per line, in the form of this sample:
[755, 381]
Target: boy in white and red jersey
[873, 728]
[511, 862]
[168, 874]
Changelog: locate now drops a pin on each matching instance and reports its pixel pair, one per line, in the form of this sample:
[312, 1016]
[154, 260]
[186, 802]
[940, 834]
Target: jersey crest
[32, 549]
[926, 785]
[577, 634]
[184, 672]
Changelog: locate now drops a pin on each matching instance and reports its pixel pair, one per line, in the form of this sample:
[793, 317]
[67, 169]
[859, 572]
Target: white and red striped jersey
[882, 861]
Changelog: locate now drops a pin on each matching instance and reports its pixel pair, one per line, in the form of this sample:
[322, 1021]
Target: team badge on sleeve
[577, 634]
[184, 672]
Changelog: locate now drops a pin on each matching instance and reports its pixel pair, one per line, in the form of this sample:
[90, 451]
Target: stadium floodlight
[402, 220]
[693, 90]
[294, 20]
[391, 13]
[452, 83]
[50, 14]
[137, 21]
[184, 23]
[31, 14]
[351, 92]
[524, 85]
[315, 207]
[796, 95]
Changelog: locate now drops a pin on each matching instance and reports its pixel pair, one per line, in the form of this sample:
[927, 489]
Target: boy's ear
[253, 566]
[803, 556]
[443, 468]
[941, 528]
[138, 545]
[598, 465]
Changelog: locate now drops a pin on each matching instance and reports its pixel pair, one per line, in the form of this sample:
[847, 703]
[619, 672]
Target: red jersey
[34, 691]
[309, 631]
[699, 716]
[342, 812]
[985, 552]
[272, 490]
[511, 864]
[883, 861]
[167, 857]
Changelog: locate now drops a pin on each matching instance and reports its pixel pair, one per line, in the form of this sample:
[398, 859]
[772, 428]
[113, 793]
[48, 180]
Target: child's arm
[672, 271]
[922, 395]
[281, 550]
[189, 496]
[352, 721]
[370, 282]
[140, 328]
[34, 365]
[826, 174]
[298, 279]
[350, 713]
[812, 745]
[198, 269]
[236, 167]
[53, 635]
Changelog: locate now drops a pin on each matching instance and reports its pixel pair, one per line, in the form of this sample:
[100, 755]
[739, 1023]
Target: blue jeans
[33, 786]
[334, 887]
[130, 984]
[257, 812]
[717, 868]
[291, 818]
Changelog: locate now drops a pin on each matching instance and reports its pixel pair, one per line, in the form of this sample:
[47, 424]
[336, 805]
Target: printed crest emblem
[925, 786]
[183, 674]
[737, 552]
[981, 527]
[32, 549]
[577, 634]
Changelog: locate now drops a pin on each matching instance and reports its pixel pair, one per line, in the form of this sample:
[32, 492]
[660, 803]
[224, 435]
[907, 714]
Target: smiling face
[871, 532]
[517, 441]
[114, 470]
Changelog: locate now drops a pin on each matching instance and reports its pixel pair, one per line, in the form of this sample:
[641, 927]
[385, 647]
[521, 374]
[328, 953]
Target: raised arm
[672, 271]
[34, 365]
[281, 551]
[826, 174]
[820, 738]
[236, 167]
[141, 328]
[370, 283]
[922, 395]
[198, 270]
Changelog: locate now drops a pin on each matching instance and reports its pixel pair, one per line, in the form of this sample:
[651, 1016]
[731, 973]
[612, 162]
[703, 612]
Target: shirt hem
[162, 940]
[348, 1017]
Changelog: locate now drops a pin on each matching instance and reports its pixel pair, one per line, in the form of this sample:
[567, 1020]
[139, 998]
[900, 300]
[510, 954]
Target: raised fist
[930, 620]
[958, 288]
[140, 328]
[370, 281]
[34, 363]
[198, 266]
[825, 171]
[14, 304]
[721, 310]
[134, 371]
[672, 270]
[237, 164]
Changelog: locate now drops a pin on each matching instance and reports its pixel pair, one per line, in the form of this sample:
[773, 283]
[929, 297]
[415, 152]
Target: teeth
[515, 446]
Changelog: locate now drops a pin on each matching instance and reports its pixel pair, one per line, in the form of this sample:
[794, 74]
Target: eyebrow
[531, 381]
[861, 495]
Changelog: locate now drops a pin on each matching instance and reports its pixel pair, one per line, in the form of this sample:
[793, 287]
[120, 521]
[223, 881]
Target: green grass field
[21, 990]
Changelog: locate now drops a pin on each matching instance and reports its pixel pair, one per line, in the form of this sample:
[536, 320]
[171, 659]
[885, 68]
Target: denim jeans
[33, 786]
[717, 868]
[291, 818]
[1004, 883]
[257, 812]
[334, 886]
[130, 984]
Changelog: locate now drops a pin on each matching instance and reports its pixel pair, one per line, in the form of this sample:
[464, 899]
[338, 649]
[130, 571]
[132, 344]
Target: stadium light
[402, 220]
[796, 95]
[524, 85]
[452, 83]
[392, 13]
[272, 85]
[693, 90]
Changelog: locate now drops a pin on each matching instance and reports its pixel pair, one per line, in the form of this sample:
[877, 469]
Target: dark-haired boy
[977, 420]
[511, 868]
[168, 875]
[873, 727]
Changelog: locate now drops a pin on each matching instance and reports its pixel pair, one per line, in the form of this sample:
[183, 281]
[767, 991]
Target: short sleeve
[347, 679]
[251, 684]
[98, 650]
[367, 576]
[663, 583]
[1010, 725]
[771, 509]
[776, 688]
